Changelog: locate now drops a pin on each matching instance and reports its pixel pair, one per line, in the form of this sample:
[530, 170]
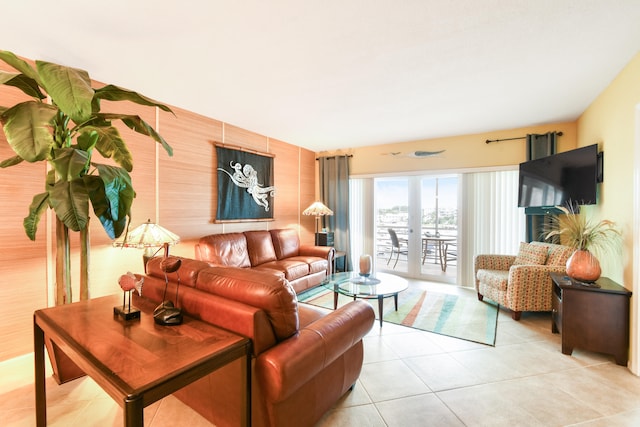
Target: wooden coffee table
[379, 286]
[136, 362]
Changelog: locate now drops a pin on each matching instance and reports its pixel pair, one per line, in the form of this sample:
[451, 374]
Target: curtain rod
[511, 139]
[333, 157]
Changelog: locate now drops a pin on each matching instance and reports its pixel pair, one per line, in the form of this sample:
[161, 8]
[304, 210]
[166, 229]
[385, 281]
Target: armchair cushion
[494, 278]
[531, 254]
[558, 255]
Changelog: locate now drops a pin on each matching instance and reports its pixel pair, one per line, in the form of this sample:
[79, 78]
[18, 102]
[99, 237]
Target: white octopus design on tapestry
[247, 177]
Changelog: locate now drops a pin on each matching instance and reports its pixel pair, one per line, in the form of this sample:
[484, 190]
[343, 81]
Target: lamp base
[126, 313]
[167, 315]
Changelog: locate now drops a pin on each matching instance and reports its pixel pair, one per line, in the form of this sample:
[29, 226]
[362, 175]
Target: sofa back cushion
[188, 271]
[269, 292]
[530, 254]
[285, 242]
[558, 254]
[260, 247]
[228, 249]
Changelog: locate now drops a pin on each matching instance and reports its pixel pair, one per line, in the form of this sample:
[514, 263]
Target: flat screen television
[561, 179]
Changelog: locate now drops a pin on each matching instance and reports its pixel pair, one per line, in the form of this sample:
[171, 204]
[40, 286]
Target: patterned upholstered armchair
[521, 283]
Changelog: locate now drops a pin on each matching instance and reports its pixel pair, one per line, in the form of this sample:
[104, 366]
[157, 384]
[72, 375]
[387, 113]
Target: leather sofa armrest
[283, 369]
[493, 262]
[319, 251]
[326, 252]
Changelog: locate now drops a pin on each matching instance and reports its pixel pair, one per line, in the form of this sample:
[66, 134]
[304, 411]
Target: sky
[392, 192]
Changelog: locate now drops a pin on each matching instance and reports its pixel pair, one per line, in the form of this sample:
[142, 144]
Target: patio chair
[396, 246]
[450, 253]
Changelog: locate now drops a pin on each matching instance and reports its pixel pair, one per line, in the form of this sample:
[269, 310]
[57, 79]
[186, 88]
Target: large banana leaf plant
[62, 124]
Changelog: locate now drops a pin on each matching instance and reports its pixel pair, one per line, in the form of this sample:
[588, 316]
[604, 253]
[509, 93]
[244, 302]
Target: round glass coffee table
[377, 286]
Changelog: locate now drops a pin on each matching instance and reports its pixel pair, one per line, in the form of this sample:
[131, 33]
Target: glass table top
[350, 283]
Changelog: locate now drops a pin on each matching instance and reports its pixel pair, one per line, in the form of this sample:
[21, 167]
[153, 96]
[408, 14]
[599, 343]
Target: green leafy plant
[63, 125]
[580, 233]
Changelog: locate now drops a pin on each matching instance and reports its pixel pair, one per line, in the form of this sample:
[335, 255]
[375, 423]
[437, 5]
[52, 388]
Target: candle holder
[365, 266]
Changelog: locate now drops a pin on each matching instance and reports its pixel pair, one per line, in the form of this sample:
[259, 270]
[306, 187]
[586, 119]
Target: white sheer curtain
[490, 220]
[361, 219]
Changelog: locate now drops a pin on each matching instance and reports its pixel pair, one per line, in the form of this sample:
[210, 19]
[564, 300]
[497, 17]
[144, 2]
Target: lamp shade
[317, 209]
[147, 235]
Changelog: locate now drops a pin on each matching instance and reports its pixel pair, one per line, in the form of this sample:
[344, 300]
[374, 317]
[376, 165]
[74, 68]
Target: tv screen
[560, 179]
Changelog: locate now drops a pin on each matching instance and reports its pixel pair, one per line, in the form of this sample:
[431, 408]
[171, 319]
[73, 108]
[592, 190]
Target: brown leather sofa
[304, 357]
[275, 251]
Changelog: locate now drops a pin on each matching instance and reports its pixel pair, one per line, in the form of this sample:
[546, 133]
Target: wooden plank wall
[179, 192]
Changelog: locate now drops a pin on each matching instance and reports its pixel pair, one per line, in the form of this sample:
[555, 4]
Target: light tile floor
[409, 378]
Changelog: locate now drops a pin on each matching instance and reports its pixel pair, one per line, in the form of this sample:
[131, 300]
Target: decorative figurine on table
[129, 282]
[168, 314]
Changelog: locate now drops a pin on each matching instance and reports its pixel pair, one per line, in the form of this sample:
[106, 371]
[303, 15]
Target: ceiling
[343, 73]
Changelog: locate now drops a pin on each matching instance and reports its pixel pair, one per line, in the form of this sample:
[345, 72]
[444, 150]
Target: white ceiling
[328, 74]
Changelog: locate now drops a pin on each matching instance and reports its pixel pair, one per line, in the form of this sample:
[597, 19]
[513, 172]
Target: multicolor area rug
[458, 315]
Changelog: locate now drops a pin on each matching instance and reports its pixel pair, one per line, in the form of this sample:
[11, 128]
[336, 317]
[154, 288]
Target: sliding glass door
[441, 222]
[416, 225]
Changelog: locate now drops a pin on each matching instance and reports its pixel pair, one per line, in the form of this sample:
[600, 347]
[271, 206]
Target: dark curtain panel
[334, 193]
[541, 145]
[538, 145]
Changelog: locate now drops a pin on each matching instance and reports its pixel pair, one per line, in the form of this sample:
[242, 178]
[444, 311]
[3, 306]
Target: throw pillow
[531, 254]
[560, 255]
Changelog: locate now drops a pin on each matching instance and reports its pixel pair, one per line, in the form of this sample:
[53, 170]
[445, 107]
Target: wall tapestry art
[245, 185]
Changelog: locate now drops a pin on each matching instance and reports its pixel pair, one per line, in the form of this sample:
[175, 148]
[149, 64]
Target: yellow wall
[461, 152]
[610, 122]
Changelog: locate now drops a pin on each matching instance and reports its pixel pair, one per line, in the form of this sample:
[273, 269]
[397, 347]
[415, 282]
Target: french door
[416, 226]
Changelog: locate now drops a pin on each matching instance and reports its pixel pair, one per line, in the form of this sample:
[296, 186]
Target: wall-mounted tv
[560, 179]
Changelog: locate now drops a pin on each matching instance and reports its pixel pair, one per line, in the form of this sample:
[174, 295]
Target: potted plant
[589, 239]
[62, 124]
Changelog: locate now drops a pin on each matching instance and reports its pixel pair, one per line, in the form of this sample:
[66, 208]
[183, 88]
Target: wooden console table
[136, 362]
[593, 318]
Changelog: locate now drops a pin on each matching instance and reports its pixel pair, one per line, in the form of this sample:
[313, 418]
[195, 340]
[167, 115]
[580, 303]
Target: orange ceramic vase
[583, 266]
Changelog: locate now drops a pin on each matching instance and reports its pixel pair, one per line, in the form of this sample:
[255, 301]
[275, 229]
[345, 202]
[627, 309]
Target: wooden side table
[136, 362]
[342, 256]
[593, 318]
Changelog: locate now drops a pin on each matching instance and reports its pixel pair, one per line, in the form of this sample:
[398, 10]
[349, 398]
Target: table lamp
[317, 209]
[151, 237]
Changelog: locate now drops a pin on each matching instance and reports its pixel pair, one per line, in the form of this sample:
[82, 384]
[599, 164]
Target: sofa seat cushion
[495, 278]
[271, 293]
[292, 269]
[531, 254]
[308, 313]
[315, 264]
[268, 270]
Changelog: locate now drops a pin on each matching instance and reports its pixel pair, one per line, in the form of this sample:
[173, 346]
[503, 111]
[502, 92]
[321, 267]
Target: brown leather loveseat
[275, 251]
[304, 357]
